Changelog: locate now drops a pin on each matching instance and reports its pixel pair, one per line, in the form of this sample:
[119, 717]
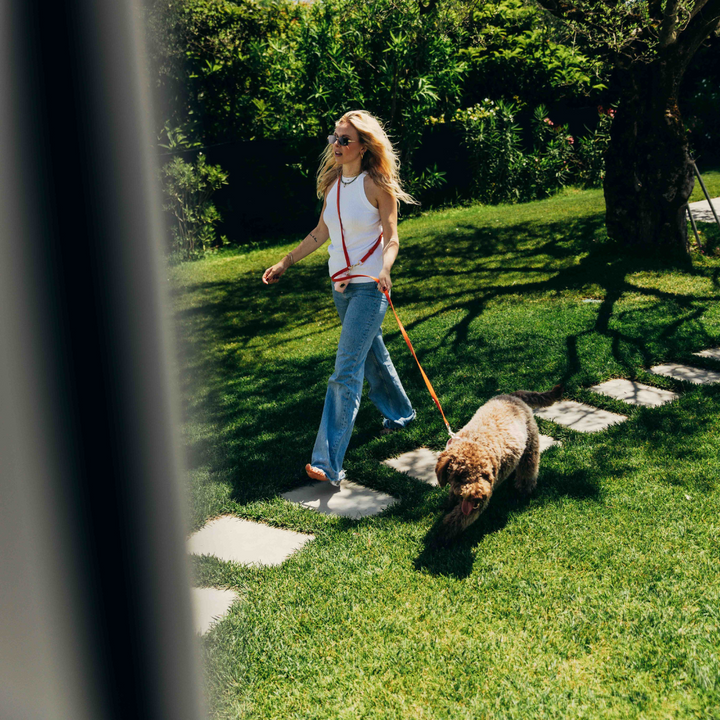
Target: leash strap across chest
[335, 278]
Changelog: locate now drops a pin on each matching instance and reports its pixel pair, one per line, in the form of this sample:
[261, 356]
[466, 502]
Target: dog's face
[469, 473]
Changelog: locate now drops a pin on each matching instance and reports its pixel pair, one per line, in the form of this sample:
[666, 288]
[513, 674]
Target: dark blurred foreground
[94, 592]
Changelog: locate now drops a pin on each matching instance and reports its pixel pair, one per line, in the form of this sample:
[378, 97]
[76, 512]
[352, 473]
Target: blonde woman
[358, 176]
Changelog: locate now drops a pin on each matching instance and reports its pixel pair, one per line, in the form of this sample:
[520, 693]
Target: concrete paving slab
[578, 416]
[546, 441]
[234, 540]
[687, 373]
[713, 353]
[635, 393]
[420, 463]
[210, 605]
[701, 210]
[349, 500]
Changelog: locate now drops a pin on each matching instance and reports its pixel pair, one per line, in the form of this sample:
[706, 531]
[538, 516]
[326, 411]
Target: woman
[361, 158]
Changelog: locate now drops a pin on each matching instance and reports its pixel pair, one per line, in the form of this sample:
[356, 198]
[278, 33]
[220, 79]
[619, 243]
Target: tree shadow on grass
[264, 417]
[456, 558]
[676, 444]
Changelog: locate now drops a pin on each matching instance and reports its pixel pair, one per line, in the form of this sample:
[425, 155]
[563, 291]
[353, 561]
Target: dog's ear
[441, 470]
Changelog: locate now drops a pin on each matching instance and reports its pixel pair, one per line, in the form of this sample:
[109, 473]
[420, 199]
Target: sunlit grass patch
[595, 598]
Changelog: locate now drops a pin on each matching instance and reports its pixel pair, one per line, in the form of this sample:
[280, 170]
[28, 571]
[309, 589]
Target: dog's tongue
[467, 506]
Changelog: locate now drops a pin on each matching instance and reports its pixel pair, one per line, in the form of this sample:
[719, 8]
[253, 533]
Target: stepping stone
[578, 416]
[210, 605]
[713, 353]
[701, 210]
[234, 540]
[349, 500]
[687, 373]
[635, 393]
[546, 442]
[420, 463]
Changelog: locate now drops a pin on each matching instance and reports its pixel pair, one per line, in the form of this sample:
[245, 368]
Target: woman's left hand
[385, 282]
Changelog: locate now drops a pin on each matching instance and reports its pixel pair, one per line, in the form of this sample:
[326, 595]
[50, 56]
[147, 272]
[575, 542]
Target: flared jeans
[361, 354]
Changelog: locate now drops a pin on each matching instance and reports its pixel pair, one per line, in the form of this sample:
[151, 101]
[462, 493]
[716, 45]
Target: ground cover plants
[597, 598]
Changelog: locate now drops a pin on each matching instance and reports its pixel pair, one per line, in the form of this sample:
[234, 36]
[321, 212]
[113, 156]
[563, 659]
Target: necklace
[349, 182]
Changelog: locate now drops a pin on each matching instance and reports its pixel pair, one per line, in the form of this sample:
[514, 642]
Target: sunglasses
[344, 140]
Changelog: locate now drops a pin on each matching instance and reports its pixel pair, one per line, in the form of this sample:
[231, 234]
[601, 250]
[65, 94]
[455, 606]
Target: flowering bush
[502, 170]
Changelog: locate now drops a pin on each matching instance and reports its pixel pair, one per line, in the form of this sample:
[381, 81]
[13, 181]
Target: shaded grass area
[597, 597]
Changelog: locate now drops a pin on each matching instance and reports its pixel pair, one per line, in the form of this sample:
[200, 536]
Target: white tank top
[361, 222]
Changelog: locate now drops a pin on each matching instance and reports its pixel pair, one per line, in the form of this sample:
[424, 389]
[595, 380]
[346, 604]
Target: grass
[599, 597]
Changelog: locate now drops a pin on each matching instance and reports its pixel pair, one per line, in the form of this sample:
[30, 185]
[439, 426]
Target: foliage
[638, 30]
[515, 49]
[591, 151]
[207, 57]
[505, 171]
[700, 104]
[187, 188]
[418, 183]
[493, 142]
[394, 58]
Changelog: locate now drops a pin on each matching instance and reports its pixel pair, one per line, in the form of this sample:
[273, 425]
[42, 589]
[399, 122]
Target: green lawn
[597, 598]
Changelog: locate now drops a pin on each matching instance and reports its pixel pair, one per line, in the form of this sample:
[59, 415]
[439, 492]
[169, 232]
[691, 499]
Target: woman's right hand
[274, 273]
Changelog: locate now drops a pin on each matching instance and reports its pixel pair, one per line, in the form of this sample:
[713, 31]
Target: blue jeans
[361, 354]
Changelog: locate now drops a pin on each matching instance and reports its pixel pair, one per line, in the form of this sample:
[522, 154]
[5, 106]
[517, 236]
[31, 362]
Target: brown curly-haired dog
[501, 437]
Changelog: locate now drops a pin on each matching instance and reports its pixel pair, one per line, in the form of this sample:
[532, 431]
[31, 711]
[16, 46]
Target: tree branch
[703, 22]
[699, 5]
[668, 28]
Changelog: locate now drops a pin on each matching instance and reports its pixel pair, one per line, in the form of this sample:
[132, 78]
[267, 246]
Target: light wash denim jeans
[361, 354]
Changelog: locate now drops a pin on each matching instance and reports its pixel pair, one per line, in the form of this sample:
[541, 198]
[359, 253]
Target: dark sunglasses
[344, 140]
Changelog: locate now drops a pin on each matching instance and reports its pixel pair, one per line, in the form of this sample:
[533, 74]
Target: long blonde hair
[380, 160]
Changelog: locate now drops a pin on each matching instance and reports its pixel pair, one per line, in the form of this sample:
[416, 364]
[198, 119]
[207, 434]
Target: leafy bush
[504, 171]
[187, 188]
[514, 48]
[395, 58]
[250, 70]
[208, 60]
[591, 151]
[493, 142]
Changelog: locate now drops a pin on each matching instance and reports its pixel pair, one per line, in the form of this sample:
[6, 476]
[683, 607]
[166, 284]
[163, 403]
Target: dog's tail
[537, 399]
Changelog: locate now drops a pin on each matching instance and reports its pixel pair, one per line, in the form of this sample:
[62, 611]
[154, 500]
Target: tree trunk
[648, 175]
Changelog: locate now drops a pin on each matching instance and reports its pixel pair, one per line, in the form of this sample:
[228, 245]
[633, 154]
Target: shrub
[504, 172]
[591, 152]
[187, 187]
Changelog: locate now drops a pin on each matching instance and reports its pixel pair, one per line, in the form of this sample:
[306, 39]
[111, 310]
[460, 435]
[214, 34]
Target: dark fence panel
[267, 194]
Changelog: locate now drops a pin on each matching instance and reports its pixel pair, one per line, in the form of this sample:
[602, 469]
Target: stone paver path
[687, 373]
[578, 416]
[210, 605]
[231, 539]
[234, 540]
[713, 353]
[349, 500]
[420, 463]
[635, 393]
[547, 442]
[701, 210]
